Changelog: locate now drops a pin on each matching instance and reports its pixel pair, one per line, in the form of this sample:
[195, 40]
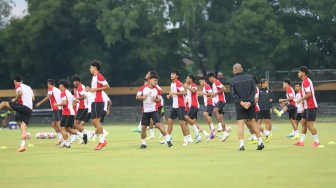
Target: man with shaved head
[243, 92]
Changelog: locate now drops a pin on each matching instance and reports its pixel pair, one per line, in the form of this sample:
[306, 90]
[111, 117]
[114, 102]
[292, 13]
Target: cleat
[59, 142]
[198, 139]
[185, 143]
[190, 140]
[220, 130]
[73, 142]
[161, 135]
[242, 148]
[89, 136]
[163, 141]
[85, 138]
[67, 146]
[100, 145]
[197, 134]
[260, 147]
[136, 130]
[225, 137]
[62, 145]
[315, 144]
[290, 135]
[81, 142]
[207, 136]
[21, 149]
[150, 137]
[251, 137]
[254, 142]
[268, 138]
[169, 144]
[296, 137]
[298, 143]
[212, 134]
[143, 146]
[277, 112]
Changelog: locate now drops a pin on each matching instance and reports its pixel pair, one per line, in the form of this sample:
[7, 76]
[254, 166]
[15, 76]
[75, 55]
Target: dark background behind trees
[59, 38]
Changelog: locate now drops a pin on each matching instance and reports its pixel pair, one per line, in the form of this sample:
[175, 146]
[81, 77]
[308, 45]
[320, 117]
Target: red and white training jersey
[178, 100]
[89, 98]
[106, 99]
[257, 109]
[300, 107]
[216, 86]
[290, 93]
[192, 96]
[307, 86]
[55, 97]
[159, 104]
[80, 92]
[75, 95]
[148, 104]
[207, 100]
[69, 98]
[26, 98]
[98, 81]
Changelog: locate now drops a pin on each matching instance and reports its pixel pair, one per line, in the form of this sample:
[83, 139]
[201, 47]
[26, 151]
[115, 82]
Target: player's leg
[304, 128]
[155, 116]
[218, 118]
[310, 126]
[279, 113]
[145, 120]
[151, 130]
[97, 108]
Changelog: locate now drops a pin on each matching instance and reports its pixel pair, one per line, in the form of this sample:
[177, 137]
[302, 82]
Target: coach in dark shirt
[243, 93]
[266, 98]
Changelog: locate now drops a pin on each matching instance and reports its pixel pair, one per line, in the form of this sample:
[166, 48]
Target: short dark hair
[51, 81]
[96, 63]
[202, 78]
[263, 80]
[145, 80]
[76, 77]
[154, 76]
[298, 83]
[153, 72]
[193, 77]
[287, 80]
[64, 82]
[304, 69]
[17, 78]
[177, 72]
[211, 74]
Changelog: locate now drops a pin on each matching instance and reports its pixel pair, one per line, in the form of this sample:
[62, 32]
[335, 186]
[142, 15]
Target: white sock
[259, 141]
[80, 134]
[185, 138]
[66, 142]
[225, 133]
[293, 132]
[139, 126]
[60, 137]
[104, 131]
[73, 137]
[281, 112]
[143, 141]
[84, 131]
[195, 128]
[254, 137]
[189, 138]
[212, 126]
[205, 133]
[241, 143]
[168, 138]
[316, 138]
[220, 126]
[302, 137]
[94, 136]
[151, 133]
[296, 132]
[267, 133]
[23, 143]
[101, 138]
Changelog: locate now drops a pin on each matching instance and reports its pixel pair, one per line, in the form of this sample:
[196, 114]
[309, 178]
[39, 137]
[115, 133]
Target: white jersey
[298, 96]
[106, 99]
[90, 98]
[27, 95]
[148, 104]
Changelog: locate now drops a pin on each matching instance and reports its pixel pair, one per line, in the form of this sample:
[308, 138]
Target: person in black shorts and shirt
[243, 93]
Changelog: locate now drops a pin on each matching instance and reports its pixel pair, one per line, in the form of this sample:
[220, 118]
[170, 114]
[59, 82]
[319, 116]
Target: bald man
[243, 92]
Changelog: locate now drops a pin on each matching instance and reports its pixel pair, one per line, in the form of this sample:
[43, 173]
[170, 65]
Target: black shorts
[177, 112]
[192, 112]
[57, 114]
[17, 116]
[256, 116]
[24, 111]
[97, 109]
[160, 111]
[291, 111]
[209, 109]
[102, 118]
[243, 113]
[298, 117]
[146, 116]
[309, 114]
[264, 114]
[220, 105]
[87, 117]
[67, 121]
[81, 113]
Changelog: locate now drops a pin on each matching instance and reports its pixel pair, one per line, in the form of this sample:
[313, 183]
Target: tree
[5, 11]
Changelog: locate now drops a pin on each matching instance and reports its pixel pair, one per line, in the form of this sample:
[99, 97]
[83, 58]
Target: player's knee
[220, 111]
[205, 114]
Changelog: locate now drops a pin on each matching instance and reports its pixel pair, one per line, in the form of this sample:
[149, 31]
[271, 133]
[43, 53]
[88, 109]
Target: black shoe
[143, 146]
[169, 144]
[260, 147]
[85, 138]
[242, 148]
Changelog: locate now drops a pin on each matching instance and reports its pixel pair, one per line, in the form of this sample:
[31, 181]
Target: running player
[243, 93]
[289, 105]
[54, 96]
[219, 100]
[150, 95]
[23, 103]
[98, 84]
[310, 107]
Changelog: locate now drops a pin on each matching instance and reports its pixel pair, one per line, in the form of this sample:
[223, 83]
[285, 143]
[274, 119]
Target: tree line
[57, 39]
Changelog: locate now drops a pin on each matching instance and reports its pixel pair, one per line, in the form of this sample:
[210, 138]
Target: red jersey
[307, 86]
[217, 86]
[207, 100]
[290, 93]
[159, 104]
[98, 81]
[80, 92]
[178, 100]
[192, 96]
[148, 104]
[68, 108]
[55, 97]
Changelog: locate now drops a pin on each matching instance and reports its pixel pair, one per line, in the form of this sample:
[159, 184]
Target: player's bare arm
[43, 100]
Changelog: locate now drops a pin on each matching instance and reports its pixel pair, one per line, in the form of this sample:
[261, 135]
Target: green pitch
[207, 164]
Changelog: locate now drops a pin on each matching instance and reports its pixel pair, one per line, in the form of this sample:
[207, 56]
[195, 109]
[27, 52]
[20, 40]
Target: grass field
[207, 164]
